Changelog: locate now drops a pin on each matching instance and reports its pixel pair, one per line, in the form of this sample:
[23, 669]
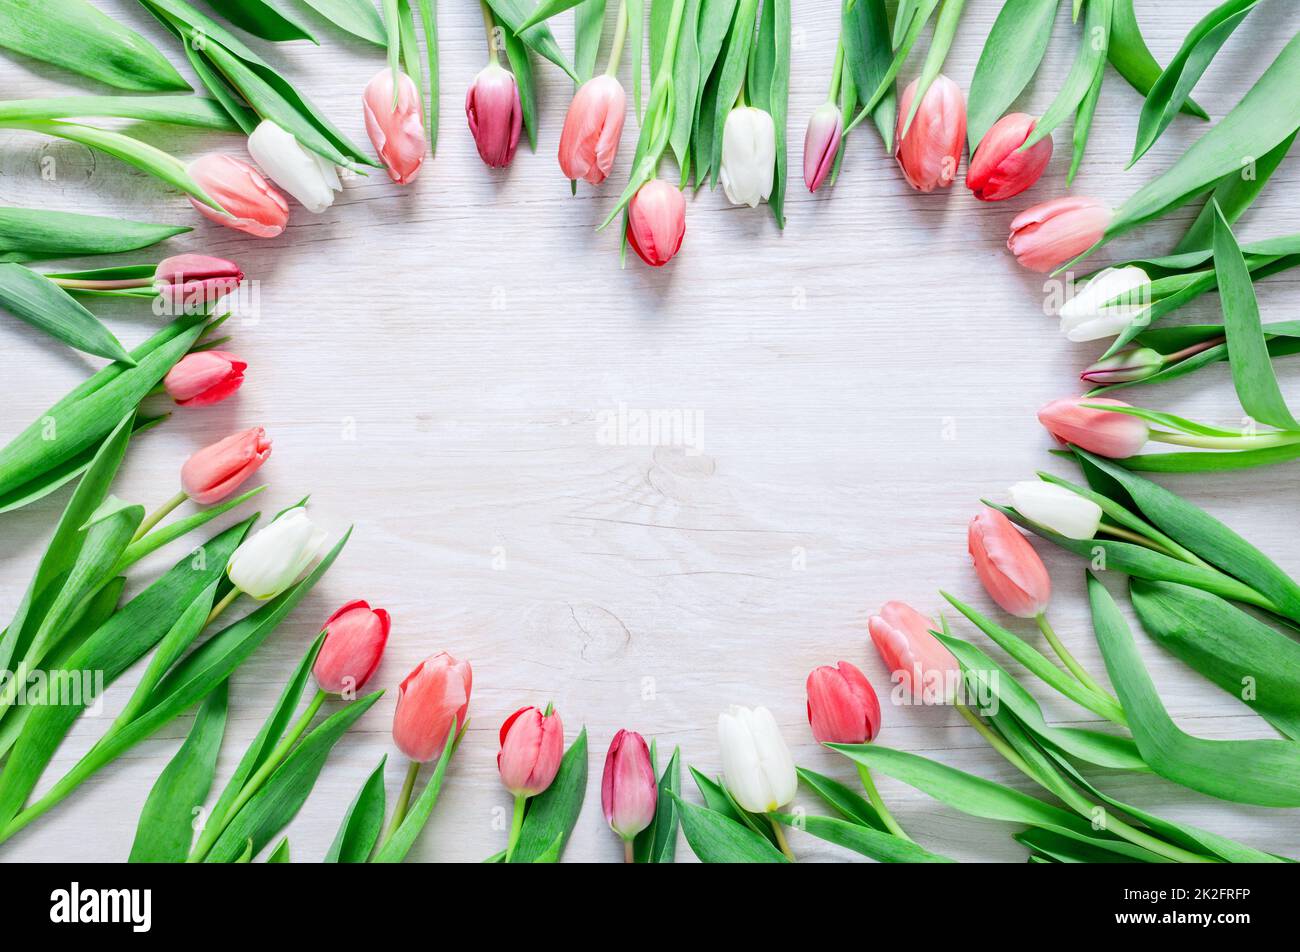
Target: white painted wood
[434, 364]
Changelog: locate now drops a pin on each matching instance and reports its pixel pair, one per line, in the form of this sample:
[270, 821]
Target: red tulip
[428, 700]
[495, 115]
[1052, 233]
[628, 792]
[204, 377]
[532, 743]
[998, 169]
[592, 128]
[216, 471]
[656, 222]
[842, 705]
[931, 151]
[1106, 433]
[1007, 565]
[395, 130]
[915, 658]
[821, 143]
[195, 281]
[355, 637]
[251, 204]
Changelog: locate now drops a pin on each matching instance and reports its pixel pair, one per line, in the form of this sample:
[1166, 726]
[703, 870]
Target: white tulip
[306, 176]
[1056, 508]
[748, 156]
[1086, 317]
[276, 557]
[756, 763]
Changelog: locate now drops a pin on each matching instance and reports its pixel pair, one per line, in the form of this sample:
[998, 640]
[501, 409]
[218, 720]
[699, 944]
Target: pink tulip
[998, 169]
[821, 143]
[495, 115]
[355, 636]
[195, 281]
[216, 471]
[931, 151]
[204, 377]
[842, 705]
[1050, 234]
[916, 659]
[252, 205]
[428, 700]
[656, 222]
[1116, 435]
[1007, 565]
[592, 128]
[532, 743]
[396, 131]
[628, 792]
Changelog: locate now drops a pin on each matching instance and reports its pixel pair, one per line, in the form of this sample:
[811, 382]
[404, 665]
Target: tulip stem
[1071, 662]
[516, 824]
[878, 802]
[403, 802]
[996, 742]
[782, 843]
[222, 605]
[620, 35]
[836, 70]
[490, 27]
[158, 515]
[1257, 442]
[629, 851]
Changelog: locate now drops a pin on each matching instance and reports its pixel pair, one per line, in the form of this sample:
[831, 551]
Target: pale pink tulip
[1048, 235]
[1007, 565]
[532, 743]
[495, 115]
[1116, 435]
[842, 705]
[252, 205]
[592, 129]
[821, 143]
[628, 792]
[428, 699]
[656, 222]
[998, 169]
[204, 377]
[216, 471]
[355, 637]
[931, 151]
[396, 131]
[916, 659]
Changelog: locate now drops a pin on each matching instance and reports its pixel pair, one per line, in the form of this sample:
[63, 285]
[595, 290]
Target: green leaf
[361, 824]
[522, 67]
[769, 84]
[549, 8]
[1063, 849]
[281, 852]
[1011, 55]
[636, 40]
[263, 19]
[731, 78]
[155, 540]
[1234, 193]
[46, 306]
[719, 799]
[400, 843]
[193, 111]
[514, 13]
[357, 17]
[657, 843]
[847, 803]
[884, 847]
[1085, 72]
[1132, 59]
[30, 234]
[166, 824]
[912, 26]
[588, 25]
[553, 813]
[1202, 462]
[945, 30]
[716, 838]
[75, 35]
[429, 21]
[864, 30]
[686, 83]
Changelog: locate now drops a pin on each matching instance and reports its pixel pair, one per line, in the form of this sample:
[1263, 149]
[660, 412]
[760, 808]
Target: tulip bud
[395, 130]
[308, 177]
[251, 204]
[355, 637]
[821, 143]
[1115, 435]
[1050, 234]
[1056, 508]
[842, 705]
[1089, 315]
[532, 744]
[656, 222]
[204, 377]
[434, 694]
[756, 763]
[1128, 366]
[999, 169]
[495, 115]
[916, 659]
[273, 559]
[592, 127]
[748, 156]
[628, 792]
[190, 283]
[1007, 565]
[216, 471]
[931, 150]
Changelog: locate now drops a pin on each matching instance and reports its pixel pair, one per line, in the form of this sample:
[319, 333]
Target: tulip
[756, 763]
[1007, 565]
[821, 143]
[1050, 234]
[273, 559]
[495, 115]
[308, 177]
[999, 169]
[931, 150]
[396, 130]
[1115, 435]
[1091, 315]
[656, 222]
[1056, 508]
[628, 792]
[748, 156]
[433, 696]
[355, 636]
[1128, 366]
[842, 705]
[216, 471]
[592, 128]
[251, 204]
[916, 659]
[204, 377]
[532, 743]
[194, 281]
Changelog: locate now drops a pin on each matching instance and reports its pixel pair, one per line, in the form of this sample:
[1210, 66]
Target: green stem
[80, 284]
[490, 27]
[1260, 442]
[629, 851]
[996, 742]
[876, 801]
[837, 70]
[781, 841]
[516, 824]
[403, 802]
[222, 605]
[1072, 663]
[620, 35]
[158, 515]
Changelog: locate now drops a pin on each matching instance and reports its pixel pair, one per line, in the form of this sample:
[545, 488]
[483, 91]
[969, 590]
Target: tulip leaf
[657, 843]
[1233, 193]
[713, 29]
[1253, 662]
[1063, 849]
[517, 52]
[883, 847]
[686, 67]
[40, 302]
[911, 25]
[166, 824]
[1084, 74]
[588, 26]
[263, 19]
[1203, 462]
[717, 838]
[400, 843]
[945, 30]
[281, 852]
[636, 40]
[553, 813]
[731, 78]
[1010, 58]
[864, 30]
[1132, 59]
[719, 799]
[193, 111]
[769, 85]
[538, 37]
[357, 17]
[29, 234]
[847, 803]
